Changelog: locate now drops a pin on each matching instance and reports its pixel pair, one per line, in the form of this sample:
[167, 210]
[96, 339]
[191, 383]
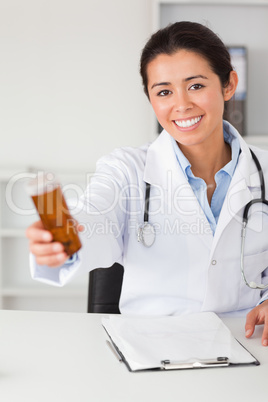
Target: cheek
[161, 109]
[213, 102]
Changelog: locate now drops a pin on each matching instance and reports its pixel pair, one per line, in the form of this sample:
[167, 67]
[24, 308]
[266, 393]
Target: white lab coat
[187, 269]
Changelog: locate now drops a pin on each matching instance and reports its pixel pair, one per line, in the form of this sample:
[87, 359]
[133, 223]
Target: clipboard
[193, 341]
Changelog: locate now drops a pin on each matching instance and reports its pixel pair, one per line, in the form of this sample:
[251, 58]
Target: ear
[229, 91]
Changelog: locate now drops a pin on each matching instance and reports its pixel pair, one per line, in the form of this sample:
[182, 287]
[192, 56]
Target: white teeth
[188, 123]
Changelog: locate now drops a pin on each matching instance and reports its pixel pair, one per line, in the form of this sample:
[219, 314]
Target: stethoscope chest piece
[146, 234]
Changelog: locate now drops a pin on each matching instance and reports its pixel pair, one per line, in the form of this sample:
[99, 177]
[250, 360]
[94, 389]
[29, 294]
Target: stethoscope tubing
[261, 200]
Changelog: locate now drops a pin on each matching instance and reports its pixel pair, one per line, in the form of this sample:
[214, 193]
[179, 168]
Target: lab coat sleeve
[54, 276]
[265, 297]
[264, 294]
[102, 211]
[101, 247]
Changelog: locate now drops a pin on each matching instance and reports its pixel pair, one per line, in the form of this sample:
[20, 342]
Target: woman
[201, 175]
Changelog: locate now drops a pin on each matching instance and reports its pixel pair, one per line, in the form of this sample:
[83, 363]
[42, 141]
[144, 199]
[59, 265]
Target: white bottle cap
[43, 183]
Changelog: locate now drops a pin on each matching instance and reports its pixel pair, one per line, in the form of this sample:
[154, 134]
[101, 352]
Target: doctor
[201, 175]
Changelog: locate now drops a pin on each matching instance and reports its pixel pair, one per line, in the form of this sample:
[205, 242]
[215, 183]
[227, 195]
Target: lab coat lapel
[239, 194]
[162, 169]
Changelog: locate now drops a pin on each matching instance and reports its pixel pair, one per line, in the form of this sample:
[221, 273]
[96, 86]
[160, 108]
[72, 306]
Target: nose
[182, 101]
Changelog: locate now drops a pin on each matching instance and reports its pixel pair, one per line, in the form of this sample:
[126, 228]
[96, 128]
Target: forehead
[181, 64]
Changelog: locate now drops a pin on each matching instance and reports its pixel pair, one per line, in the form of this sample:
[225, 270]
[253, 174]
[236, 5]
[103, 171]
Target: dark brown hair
[189, 36]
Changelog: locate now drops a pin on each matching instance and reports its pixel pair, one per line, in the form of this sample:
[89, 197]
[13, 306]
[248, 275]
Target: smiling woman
[188, 77]
[198, 176]
[193, 98]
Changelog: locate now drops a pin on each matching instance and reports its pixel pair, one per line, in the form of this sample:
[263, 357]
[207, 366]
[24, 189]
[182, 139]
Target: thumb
[80, 227]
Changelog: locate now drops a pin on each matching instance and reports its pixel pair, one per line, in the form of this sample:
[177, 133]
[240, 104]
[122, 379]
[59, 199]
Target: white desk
[62, 357]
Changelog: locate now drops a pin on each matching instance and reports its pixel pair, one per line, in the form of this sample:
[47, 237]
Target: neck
[206, 160]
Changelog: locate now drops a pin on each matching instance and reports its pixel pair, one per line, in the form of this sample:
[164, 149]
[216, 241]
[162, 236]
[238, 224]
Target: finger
[251, 321]
[37, 233]
[264, 339]
[37, 224]
[53, 261]
[264, 309]
[43, 249]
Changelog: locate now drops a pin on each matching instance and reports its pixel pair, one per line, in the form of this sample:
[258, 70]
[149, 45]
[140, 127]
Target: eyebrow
[158, 84]
[196, 76]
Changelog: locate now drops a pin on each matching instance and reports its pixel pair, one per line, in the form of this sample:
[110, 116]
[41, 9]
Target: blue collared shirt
[222, 178]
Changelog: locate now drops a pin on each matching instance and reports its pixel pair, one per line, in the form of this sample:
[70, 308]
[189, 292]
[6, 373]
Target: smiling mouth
[187, 123]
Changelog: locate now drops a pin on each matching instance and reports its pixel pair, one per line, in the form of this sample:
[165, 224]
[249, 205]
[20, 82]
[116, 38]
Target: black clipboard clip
[218, 362]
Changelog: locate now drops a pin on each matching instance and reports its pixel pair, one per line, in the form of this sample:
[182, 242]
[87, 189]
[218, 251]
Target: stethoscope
[146, 232]
[261, 200]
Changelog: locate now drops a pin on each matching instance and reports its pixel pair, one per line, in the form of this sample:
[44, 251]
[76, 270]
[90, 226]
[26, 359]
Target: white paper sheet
[145, 342]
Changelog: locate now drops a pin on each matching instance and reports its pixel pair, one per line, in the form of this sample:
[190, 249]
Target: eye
[195, 87]
[164, 92]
